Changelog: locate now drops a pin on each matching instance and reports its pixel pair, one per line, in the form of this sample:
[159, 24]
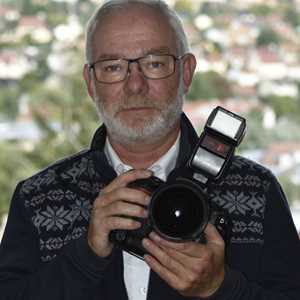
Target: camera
[180, 207]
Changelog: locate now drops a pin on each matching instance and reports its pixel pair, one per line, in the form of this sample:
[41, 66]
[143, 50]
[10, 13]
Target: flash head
[228, 125]
[223, 132]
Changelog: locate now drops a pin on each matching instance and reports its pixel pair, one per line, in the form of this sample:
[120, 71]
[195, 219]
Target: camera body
[180, 208]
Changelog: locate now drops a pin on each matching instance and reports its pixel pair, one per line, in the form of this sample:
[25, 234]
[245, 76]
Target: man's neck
[142, 155]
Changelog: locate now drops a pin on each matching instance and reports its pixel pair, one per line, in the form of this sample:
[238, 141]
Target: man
[56, 244]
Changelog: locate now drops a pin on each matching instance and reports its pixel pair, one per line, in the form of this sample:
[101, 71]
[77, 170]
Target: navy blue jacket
[44, 252]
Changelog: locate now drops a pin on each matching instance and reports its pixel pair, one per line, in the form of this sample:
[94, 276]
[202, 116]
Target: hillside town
[253, 46]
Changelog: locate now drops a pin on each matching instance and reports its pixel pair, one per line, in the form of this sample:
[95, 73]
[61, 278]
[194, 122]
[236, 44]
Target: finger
[125, 178]
[114, 223]
[121, 208]
[172, 279]
[125, 194]
[212, 235]
[162, 256]
[190, 248]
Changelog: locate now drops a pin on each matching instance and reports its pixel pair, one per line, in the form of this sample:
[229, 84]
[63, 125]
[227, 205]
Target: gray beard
[154, 129]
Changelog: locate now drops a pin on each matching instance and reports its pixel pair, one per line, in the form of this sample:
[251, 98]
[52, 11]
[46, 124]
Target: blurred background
[248, 54]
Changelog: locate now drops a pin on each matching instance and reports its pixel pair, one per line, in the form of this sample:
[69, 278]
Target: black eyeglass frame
[91, 66]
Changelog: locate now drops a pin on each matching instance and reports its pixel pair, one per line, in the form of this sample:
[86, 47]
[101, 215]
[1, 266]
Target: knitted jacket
[44, 253]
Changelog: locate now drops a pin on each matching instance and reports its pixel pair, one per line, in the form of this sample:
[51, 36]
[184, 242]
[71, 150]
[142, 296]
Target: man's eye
[112, 68]
[155, 65]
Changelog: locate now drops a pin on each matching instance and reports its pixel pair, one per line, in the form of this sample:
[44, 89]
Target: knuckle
[117, 206]
[191, 278]
[198, 268]
[167, 260]
[140, 210]
[209, 256]
[110, 223]
[132, 223]
[182, 286]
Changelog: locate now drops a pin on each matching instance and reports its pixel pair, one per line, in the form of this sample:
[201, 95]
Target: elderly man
[56, 244]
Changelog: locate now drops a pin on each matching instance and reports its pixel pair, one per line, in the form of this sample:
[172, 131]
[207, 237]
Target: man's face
[137, 108]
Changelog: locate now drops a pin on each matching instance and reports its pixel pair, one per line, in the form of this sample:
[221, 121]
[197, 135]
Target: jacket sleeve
[70, 275]
[279, 272]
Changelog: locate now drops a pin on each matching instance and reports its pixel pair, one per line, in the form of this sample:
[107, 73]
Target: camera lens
[178, 211]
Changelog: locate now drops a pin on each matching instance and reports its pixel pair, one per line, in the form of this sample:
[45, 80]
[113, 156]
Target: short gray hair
[171, 15]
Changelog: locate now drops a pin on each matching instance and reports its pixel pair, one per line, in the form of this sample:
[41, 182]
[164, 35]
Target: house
[35, 27]
[281, 156]
[278, 88]
[267, 63]
[8, 13]
[13, 65]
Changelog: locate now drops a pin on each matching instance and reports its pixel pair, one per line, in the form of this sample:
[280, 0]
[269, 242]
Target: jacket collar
[188, 140]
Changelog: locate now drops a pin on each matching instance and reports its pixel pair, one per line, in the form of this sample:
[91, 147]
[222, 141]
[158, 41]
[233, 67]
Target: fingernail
[147, 199]
[155, 237]
[145, 213]
[148, 172]
[146, 242]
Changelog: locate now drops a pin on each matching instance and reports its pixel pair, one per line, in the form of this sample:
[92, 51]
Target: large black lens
[178, 211]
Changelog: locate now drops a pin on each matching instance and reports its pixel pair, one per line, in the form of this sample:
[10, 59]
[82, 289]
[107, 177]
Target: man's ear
[188, 69]
[88, 80]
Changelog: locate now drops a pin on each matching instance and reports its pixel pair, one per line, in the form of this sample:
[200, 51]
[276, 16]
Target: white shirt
[136, 271]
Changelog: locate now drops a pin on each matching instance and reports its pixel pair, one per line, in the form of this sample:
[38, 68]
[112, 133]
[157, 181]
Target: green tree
[65, 115]
[9, 96]
[14, 167]
[256, 136]
[184, 7]
[291, 15]
[209, 85]
[261, 10]
[291, 190]
[283, 106]
[267, 36]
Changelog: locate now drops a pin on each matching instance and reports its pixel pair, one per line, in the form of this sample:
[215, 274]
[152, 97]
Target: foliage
[14, 167]
[261, 10]
[9, 97]
[267, 36]
[283, 106]
[256, 137]
[292, 17]
[214, 9]
[291, 190]
[67, 119]
[209, 85]
[184, 7]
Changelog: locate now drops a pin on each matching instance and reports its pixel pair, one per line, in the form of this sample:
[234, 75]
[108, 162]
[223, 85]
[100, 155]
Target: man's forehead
[118, 33]
[132, 16]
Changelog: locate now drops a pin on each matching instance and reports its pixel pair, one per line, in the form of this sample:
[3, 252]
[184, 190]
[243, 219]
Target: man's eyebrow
[162, 50]
[108, 56]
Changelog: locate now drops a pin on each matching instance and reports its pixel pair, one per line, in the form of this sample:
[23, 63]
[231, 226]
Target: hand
[191, 268]
[113, 202]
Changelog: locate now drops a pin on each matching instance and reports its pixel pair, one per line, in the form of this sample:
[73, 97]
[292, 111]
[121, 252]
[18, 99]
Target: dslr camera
[180, 207]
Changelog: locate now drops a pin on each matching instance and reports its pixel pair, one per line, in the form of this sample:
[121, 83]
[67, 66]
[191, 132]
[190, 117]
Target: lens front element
[179, 211]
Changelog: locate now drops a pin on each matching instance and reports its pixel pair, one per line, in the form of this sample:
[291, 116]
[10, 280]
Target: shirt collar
[161, 168]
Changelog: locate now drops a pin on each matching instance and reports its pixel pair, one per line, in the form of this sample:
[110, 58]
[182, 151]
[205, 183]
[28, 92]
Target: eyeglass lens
[152, 66]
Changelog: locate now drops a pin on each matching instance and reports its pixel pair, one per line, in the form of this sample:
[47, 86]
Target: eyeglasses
[152, 67]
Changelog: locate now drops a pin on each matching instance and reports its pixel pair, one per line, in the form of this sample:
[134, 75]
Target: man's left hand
[193, 269]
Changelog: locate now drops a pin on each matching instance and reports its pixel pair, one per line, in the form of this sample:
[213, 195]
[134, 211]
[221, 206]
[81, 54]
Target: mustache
[135, 102]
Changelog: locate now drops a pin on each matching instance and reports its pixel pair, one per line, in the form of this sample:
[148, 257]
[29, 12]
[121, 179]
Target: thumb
[212, 234]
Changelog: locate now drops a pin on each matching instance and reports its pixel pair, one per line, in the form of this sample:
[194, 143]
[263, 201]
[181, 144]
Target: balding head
[112, 8]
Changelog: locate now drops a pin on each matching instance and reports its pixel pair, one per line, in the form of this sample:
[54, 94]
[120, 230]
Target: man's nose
[136, 82]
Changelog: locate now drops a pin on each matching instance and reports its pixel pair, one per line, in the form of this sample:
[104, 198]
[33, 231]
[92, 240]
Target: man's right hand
[113, 202]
